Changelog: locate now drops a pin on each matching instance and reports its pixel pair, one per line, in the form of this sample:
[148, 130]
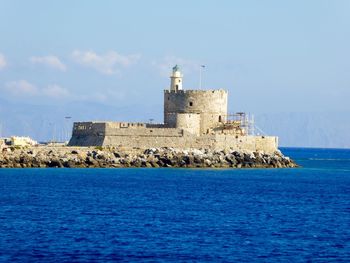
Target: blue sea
[180, 215]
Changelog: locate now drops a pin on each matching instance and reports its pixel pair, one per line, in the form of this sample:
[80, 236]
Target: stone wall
[174, 138]
[189, 122]
[249, 143]
[210, 104]
[88, 133]
[131, 135]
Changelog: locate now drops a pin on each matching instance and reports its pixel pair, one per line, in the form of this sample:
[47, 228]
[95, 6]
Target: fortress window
[220, 118]
[191, 103]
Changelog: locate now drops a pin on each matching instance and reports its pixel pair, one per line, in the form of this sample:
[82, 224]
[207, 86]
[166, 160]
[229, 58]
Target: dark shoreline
[98, 157]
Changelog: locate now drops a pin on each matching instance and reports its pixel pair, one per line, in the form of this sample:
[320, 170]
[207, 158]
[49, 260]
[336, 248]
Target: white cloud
[3, 62]
[55, 91]
[21, 88]
[108, 63]
[168, 62]
[50, 61]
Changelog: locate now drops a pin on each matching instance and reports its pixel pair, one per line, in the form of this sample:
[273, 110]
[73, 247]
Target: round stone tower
[210, 105]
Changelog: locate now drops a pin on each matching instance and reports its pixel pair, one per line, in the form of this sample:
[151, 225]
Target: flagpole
[200, 76]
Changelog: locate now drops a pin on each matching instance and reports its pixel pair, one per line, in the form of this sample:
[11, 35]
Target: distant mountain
[315, 129]
[48, 122]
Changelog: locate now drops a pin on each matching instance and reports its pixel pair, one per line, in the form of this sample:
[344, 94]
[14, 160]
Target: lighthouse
[176, 79]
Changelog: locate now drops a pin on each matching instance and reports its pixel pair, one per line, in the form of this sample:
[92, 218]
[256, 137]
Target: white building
[22, 141]
[2, 142]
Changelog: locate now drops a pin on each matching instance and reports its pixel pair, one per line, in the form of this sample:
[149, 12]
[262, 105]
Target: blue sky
[272, 56]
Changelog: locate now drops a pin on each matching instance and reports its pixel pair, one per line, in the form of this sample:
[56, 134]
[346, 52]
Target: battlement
[123, 125]
[215, 91]
[81, 126]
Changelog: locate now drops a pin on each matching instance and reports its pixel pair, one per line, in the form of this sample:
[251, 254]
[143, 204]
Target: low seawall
[104, 157]
[137, 135]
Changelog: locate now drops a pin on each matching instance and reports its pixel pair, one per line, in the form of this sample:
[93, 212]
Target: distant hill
[316, 129]
[47, 122]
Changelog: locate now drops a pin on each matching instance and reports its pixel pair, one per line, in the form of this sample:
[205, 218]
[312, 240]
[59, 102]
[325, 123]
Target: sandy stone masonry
[210, 105]
[192, 119]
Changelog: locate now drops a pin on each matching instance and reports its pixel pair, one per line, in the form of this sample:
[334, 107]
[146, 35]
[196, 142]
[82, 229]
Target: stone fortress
[193, 119]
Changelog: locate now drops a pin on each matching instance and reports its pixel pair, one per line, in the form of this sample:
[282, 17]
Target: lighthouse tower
[176, 79]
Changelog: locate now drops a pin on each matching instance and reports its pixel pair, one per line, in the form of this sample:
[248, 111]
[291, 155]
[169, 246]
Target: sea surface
[180, 215]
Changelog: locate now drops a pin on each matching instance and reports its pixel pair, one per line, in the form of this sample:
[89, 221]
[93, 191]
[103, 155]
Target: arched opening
[220, 118]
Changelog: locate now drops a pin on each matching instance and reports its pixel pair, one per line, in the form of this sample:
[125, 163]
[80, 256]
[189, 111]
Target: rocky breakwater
[69, 157]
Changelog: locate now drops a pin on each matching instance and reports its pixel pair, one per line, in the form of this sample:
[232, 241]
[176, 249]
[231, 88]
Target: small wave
[327, 159]
[327, 169]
